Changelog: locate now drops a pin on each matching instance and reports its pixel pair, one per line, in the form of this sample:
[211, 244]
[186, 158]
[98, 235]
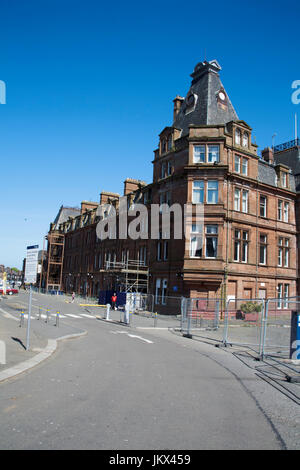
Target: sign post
[30, 277]
[31, 264]
[29, 317]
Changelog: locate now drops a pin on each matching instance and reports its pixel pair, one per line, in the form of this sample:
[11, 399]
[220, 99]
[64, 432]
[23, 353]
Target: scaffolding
[128, 276]
[56, 245]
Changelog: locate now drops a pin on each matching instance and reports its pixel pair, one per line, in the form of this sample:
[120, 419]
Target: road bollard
[155, 319]
[107, 311]
[47, 317]
[39, 317]
[21, 320]
[57, 319]
[126, 313]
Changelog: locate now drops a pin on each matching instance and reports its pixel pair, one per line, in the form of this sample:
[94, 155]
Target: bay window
[198, 192]
[212, 192]
[211, 241]
[206, 153]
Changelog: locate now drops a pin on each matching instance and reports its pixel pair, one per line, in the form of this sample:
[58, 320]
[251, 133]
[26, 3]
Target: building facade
[246, 245]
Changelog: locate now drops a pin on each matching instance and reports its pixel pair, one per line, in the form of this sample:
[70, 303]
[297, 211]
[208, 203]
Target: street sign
[31, 264]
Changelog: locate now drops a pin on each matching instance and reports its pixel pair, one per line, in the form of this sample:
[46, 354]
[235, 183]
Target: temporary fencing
[277, 329]
[199, 314]
[263, 326]
[243, 323]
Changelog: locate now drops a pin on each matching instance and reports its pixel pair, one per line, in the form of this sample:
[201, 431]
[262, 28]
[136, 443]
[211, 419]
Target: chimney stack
[177, 105]
[268, 155]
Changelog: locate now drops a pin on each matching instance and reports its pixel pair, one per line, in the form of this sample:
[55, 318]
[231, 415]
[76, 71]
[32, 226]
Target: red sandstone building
[206, 156]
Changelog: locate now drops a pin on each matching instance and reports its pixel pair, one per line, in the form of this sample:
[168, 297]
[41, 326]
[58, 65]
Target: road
[124, 388]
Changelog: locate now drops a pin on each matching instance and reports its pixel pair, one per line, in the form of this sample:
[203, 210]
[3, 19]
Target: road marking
[8, 315]
[71, 315]
[140, 337]
[86, 315]
[132, 336]
[152, 328]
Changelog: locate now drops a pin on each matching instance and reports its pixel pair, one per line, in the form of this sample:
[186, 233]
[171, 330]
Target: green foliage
[251, 307]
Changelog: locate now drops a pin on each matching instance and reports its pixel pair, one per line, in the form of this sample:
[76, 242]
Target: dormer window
[237, 137]
[245, 139]
[206, 154]
[169, 143]
[213, 153]
[199, 154]
[284, 179]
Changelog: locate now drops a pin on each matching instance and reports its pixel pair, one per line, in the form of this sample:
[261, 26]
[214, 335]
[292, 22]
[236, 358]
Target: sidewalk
[14, 357]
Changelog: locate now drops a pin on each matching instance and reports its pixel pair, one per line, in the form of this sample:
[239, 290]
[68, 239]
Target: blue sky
[90, 86]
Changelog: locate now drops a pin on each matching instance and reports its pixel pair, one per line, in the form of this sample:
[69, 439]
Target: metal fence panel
[277, 331]
[140, 303]
[243, 323]
[200, 314]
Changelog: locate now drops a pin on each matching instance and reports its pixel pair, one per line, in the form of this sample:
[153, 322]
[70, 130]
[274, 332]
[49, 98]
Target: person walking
[114, 301]
[73, 297]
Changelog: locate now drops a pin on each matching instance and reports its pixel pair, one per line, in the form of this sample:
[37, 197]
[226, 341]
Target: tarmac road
[123, 388]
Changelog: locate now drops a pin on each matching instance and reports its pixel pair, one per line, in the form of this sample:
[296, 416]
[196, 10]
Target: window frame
[286, 210]
[208, 154]
[263, 245]
[245, 192]
[200, 190]
[213, 236]
[212, 192]
[262, 196]
[196, 235]
[279, 209]
[240, 246]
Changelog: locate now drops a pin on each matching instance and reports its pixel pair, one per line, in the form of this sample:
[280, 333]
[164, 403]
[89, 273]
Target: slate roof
[291, 158]
[202, 105]
[267, 175]
[64, 213]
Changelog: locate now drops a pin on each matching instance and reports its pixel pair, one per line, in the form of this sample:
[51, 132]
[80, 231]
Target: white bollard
[107, 311]
[126, 313]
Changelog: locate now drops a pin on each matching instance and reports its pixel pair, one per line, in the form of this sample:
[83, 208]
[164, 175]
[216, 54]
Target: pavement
[43, 339]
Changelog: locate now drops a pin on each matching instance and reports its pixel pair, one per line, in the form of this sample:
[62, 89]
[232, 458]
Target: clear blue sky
[90, 86]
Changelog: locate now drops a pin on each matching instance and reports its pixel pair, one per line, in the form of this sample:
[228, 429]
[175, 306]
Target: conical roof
[206, 102]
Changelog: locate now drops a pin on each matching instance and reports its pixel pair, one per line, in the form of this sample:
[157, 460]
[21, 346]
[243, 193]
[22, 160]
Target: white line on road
[87, 316]
[140, 337]
[152, 328]
[8, 315]
[132, 336]
[71, 315]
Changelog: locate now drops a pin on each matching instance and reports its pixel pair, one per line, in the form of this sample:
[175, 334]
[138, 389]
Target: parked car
[9, 291]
